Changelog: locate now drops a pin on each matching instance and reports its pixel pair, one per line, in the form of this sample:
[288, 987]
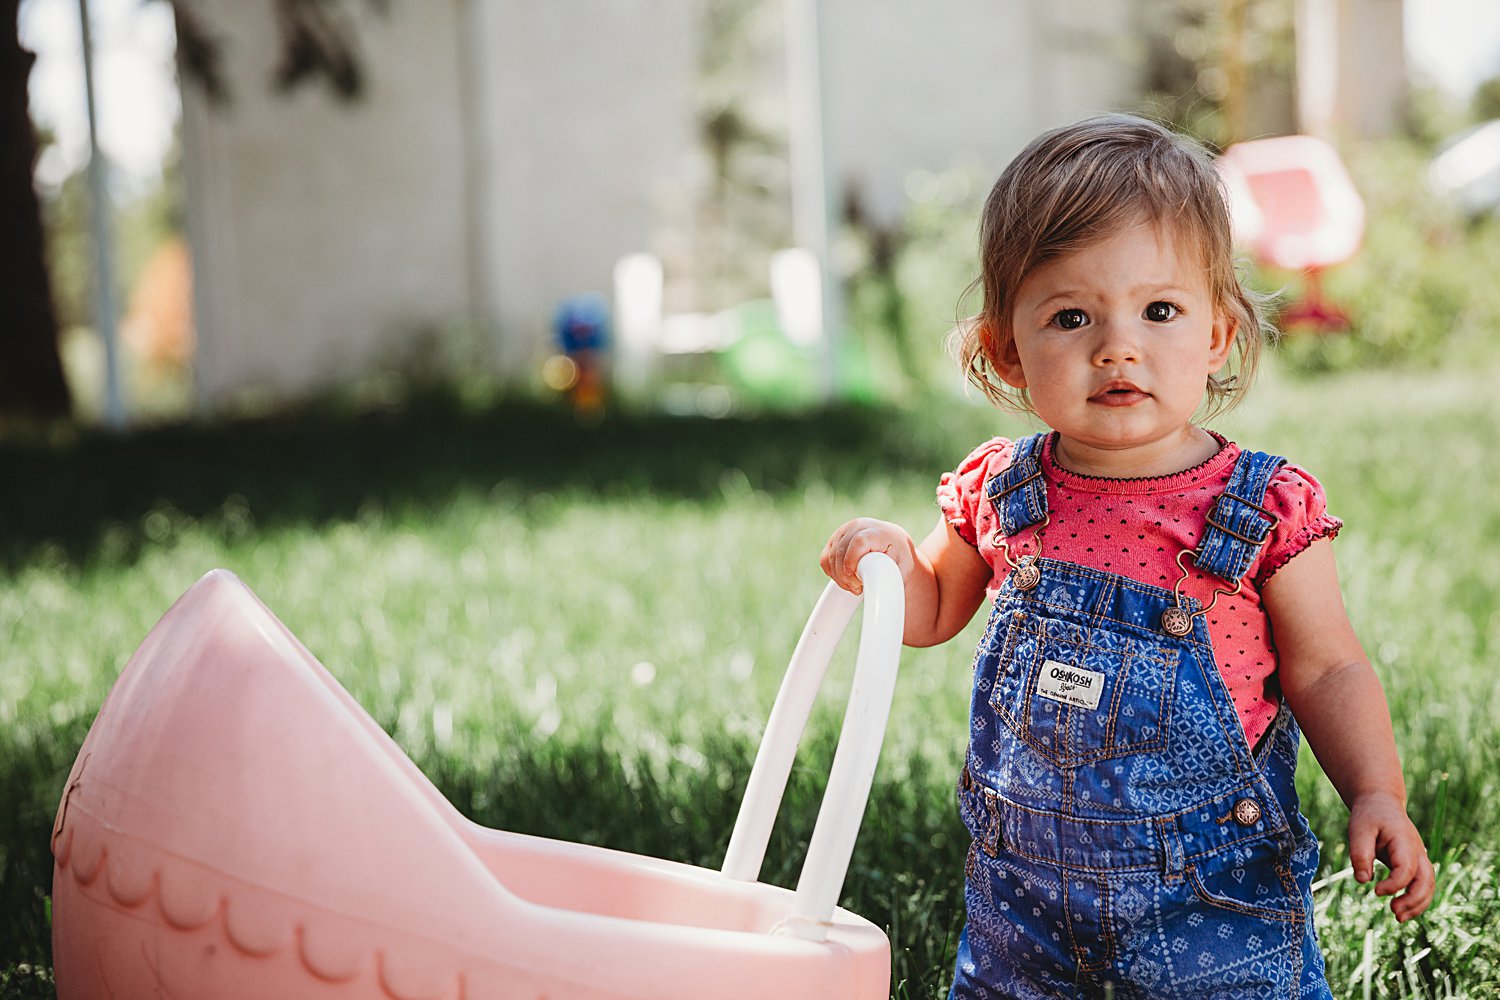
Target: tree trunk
[31, 377]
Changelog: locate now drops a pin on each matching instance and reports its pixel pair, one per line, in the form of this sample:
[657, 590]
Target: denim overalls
[1125, 837]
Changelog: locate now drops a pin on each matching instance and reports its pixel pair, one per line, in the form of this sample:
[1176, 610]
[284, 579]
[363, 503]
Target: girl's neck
[1166, 457]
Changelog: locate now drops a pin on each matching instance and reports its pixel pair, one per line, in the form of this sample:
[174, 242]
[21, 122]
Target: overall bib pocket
[1079, 695]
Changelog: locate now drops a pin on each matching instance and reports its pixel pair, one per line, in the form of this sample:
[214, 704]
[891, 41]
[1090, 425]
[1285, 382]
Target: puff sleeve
[1301, 507]
[961, 492]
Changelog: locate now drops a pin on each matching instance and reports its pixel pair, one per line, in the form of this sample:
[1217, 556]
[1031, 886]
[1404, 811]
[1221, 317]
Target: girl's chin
[1121, 453]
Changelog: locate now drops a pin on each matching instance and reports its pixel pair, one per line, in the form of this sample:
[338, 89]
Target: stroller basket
[237, 826]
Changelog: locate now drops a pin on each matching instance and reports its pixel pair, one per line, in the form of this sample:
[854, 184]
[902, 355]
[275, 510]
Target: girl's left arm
[1340, 705]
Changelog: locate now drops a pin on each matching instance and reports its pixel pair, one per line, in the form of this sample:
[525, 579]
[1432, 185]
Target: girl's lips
[1118, 394]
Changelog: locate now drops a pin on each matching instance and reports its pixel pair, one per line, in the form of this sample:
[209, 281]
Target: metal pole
[99, 205]
[1317, 35]
[812, 213]
[1235, 79]
[477, 119]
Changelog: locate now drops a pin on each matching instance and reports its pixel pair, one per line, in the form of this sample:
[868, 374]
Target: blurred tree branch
[31, 378]
[318, 42]
[1206, 57]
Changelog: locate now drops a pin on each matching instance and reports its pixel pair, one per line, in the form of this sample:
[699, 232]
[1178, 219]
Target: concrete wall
[927, 85]
[323, 233]
[1373, 63]
[1351, 67]
[503, 155]
[587, 120]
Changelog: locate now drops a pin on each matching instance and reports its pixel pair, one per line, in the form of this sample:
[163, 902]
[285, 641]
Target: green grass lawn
[577, 631]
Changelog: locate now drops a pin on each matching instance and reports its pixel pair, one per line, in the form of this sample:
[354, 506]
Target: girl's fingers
[862, 545]
[1398, 878]
[853, 541]
[834, 559]
[1418, 893]
[853, 552]
[1376, 832]
[840, 559]
[1362, 847]
[1405, 859]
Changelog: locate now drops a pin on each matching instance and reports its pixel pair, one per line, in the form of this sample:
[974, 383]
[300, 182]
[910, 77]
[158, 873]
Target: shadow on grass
[906, 875]
[34, 765]
[325, 462]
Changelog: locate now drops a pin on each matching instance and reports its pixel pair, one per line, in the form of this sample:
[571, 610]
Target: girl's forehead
[1145, 251]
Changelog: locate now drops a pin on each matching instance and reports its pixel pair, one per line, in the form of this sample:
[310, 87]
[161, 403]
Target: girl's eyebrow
[1144, 288]
[1067, 294]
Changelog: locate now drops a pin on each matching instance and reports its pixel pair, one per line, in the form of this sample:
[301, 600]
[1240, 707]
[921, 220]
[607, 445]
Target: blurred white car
[1467, 168]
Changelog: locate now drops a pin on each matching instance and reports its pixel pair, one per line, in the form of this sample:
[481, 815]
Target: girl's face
[1115, 343]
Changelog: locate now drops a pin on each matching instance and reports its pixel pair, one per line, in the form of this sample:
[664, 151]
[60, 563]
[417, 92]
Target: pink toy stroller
[1295, 207]
[237, 827]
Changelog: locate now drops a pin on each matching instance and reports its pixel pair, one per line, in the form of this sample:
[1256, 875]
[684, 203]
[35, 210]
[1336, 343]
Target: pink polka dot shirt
[1136, 528]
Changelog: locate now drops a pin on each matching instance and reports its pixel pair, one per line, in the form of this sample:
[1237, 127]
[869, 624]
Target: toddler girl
[1166, 608]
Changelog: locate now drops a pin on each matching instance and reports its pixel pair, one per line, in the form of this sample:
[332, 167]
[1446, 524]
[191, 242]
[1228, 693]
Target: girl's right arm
[945, 577]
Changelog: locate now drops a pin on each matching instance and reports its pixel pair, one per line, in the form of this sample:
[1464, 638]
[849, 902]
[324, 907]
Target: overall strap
[1237, 522]
[1018, 492]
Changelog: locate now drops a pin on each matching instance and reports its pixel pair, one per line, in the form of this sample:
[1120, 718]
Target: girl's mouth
[1118, 393]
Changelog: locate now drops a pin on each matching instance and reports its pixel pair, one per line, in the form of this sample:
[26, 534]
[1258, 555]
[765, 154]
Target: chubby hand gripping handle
[858, 750]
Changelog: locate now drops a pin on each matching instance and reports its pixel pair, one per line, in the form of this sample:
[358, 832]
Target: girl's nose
[1115, 345]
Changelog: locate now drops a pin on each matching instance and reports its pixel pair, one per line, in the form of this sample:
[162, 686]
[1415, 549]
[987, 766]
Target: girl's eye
[1070, 319]
[1161, 312]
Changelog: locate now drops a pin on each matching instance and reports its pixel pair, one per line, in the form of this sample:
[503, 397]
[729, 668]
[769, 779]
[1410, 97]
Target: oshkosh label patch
[1070, 685]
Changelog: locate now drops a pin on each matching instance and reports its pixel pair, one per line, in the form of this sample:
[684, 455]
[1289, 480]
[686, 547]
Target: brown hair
[1081, 183]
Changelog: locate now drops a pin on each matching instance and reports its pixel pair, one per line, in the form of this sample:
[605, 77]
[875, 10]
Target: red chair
[1294, 206]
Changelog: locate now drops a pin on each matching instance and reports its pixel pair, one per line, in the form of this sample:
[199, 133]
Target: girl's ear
[1221, 341]
[1003, 355]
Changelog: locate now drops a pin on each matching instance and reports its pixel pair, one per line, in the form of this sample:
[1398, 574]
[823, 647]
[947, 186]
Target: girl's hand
[1379, 828]
[856, 539]
[944, 577]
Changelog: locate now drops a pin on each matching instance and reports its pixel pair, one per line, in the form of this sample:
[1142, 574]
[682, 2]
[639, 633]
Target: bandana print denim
[1126, 841]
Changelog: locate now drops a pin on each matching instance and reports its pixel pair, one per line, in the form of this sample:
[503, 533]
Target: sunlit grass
[590, 655]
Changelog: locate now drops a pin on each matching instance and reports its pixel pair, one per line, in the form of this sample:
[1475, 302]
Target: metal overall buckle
[1027, 573]
[1177, 620]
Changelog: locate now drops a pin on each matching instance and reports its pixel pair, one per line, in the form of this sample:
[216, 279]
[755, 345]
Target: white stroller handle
[854, 761]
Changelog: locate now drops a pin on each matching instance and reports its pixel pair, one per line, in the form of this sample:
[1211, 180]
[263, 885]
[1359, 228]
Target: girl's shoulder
[1294, 480]
[1292, 488]
[1299, 505]
[961, 491]
[991, 456]
[1288, 480]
